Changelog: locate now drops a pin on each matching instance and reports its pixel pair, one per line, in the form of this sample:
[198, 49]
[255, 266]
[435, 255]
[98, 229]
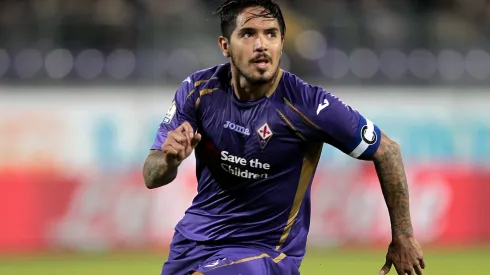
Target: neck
[244, 90]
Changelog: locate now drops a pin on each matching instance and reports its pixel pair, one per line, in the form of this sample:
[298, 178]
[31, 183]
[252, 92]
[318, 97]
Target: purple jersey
[256, 159]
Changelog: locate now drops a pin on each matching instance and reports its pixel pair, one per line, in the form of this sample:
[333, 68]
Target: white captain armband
[366, 140]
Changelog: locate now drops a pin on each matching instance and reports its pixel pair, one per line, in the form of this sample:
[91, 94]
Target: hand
[406, 255]
[180, 143]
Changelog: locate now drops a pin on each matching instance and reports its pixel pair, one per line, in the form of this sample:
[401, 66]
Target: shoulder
[197, 82]
[212, 76]
[299, 92]
[309, 100]
[200, 83]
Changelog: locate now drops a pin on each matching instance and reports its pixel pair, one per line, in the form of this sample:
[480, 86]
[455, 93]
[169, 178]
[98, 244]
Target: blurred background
[84, 86]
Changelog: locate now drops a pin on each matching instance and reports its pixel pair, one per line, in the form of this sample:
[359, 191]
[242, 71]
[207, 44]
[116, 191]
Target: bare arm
[391, 173]
[160, 167]
[156, 171]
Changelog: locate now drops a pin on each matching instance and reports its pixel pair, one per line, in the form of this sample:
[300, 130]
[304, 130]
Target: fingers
[187, 129]
[175, 145]
[405, 270]
[169, 150]
[408, 270]
[407, 260]
[418, 270]
[422, 262]
[180, 142]
[195, 140]
[386, 267]
[178, 137]
[173, 149]
[192, 138]
[399, 270]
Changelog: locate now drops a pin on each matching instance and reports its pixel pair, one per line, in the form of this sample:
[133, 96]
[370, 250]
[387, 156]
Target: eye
[247, 34]
[272, 34]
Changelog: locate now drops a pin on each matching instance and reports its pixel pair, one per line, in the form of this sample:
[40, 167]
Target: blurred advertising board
[71, 159]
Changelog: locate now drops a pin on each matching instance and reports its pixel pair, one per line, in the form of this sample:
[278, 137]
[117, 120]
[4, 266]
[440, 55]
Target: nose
[260, 44]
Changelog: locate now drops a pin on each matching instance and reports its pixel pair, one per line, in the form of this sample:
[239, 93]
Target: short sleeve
[336, 123]
[181, 109]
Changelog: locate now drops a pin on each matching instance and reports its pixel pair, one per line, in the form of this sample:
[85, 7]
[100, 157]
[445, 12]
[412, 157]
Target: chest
[253, 138]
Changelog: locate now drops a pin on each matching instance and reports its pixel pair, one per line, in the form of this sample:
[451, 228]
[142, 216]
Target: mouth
[261, 63]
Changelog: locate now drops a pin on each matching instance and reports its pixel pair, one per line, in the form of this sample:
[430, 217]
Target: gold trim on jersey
[276, 260]
[279, 258]
[199, 82]
[304, 117]
[290, 125]
[190, 94]
[204, 92]
[310, 161]
[275, 84]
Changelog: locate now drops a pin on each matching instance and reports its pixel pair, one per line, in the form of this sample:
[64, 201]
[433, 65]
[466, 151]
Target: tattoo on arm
[391, 173]
[151, 169]
[155, 170]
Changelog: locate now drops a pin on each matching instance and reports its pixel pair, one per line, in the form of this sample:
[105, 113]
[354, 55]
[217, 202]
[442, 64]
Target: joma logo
[236, 128]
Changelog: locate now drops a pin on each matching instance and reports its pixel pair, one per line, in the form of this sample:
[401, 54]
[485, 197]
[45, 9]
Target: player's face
[255, 46]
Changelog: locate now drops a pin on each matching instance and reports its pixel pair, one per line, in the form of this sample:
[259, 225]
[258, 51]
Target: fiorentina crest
[265, 134]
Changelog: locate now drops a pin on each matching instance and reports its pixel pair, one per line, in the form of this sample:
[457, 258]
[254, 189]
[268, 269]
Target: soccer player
[257, 132]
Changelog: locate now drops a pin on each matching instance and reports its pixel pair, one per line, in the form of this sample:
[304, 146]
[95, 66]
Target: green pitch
[474, 261]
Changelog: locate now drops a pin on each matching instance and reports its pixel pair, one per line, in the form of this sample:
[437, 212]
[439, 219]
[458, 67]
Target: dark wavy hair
[229, 10]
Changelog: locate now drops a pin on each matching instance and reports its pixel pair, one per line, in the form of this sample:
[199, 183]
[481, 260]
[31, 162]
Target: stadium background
[84, 85]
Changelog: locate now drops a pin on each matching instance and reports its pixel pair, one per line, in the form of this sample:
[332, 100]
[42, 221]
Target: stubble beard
[261, 80]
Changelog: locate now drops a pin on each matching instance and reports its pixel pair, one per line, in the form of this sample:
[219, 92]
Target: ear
[224, 46]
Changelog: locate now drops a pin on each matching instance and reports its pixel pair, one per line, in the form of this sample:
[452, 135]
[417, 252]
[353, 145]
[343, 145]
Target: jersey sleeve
[338, 124]
[181, 109]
